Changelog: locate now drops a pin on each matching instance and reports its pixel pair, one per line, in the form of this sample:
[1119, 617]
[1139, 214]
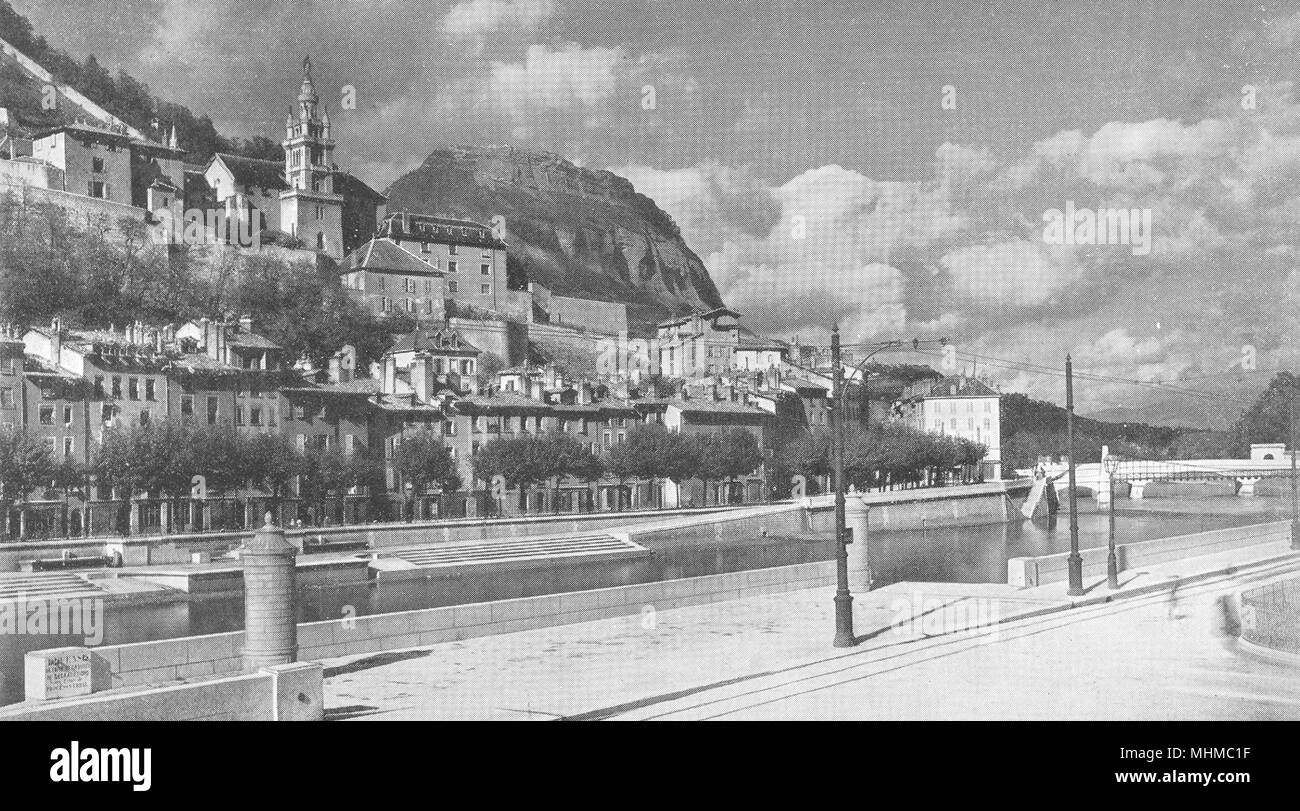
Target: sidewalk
[602, 668]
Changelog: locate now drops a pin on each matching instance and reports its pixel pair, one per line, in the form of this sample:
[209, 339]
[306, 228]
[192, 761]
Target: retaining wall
[215, 654]
[292, 692]
[1037, 571]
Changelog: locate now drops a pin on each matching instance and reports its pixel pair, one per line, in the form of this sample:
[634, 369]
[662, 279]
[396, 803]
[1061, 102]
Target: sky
[887, 166]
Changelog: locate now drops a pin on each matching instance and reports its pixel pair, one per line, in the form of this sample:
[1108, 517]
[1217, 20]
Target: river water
[950, 554]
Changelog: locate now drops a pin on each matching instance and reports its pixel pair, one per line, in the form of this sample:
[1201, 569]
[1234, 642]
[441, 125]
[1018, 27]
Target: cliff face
[580, 232]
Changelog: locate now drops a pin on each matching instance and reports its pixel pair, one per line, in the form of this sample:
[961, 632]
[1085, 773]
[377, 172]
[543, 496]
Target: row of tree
[649, 452]
[891, 454]
[163, 457]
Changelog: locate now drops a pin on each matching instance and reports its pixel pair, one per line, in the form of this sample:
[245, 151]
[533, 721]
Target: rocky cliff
[581, 232]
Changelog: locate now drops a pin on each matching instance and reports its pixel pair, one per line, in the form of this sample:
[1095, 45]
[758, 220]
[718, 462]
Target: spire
[308, 89]
[172, 142]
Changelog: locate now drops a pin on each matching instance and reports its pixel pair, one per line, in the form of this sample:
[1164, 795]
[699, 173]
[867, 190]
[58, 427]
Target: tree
[155, 458]
[25, 464]
[521, 461]
[1269, 418]
[271, 463]
[727, 454]
[422, 460]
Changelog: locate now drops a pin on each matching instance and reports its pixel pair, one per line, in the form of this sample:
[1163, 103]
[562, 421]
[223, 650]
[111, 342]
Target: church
[307, 197]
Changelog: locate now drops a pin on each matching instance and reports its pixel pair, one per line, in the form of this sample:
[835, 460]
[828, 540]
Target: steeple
[172, 142]
[307, 98]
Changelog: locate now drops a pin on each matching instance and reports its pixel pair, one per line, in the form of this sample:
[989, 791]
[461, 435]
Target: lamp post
[1112, 565]
[843, 599]
[1074, 562]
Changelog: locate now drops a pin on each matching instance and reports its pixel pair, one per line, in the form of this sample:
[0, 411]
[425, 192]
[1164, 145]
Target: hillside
[580, 232]
[22, 94]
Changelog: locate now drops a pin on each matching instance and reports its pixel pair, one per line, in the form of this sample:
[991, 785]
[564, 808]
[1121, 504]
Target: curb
[1149, 588]
[1273, 655]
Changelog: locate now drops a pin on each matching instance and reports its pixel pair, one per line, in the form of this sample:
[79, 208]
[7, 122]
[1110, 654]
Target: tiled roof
[441, 341]
[251, 340]
[356, 386]
[717, 407]
[349, 185]
[254, 171]
[384, 255]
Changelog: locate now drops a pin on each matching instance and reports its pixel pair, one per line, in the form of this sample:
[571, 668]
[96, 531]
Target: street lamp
[1111, 463]
[844, 636]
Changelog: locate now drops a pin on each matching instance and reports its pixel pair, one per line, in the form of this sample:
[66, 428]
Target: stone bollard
[855, 519]
[270, 624]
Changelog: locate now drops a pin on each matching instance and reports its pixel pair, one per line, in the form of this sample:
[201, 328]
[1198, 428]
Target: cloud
[474, 20]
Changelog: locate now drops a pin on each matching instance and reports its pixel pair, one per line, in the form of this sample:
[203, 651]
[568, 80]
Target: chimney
[390, 374]
[209, 341]
[157, 337]
[422, 376]
[246, 323]
[537, 392]
[336, 371]
[584, 393]
[56, 342]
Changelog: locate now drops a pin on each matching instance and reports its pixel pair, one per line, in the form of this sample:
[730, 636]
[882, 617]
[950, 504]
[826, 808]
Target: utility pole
[844, 637]
[1074, 561]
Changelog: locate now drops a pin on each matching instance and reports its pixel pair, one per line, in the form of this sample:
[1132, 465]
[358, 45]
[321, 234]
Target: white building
[962, 407]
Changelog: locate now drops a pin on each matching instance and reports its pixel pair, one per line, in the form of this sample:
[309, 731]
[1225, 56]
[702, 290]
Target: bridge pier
[1137, 488]
[1247, 488]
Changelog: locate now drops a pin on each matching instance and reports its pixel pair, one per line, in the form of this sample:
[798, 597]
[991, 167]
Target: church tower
[309, 209]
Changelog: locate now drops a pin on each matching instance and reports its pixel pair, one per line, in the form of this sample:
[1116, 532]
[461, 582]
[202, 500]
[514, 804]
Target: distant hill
[580, 232]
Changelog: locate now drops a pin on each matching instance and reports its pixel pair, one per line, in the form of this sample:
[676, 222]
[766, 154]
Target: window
[408, 284]
[320, 212]
[255, 415]
[451, 287]
[349, 444]
[96, 164]
[148, 389]
[106, 413]
[449, 428]
[467, 367]
[428, 286]
[424, 247]
[239, 415]
[300, 412]
[383, 304]
[212, 410]
[383, 282]
[451, 249]
[410, 305]
[485, 289]
[487, 253]
[96, 188]
[99, 387]
[187, 406]
[485, 269]
[67, 446]
[117, 386]
[477, 425]
[67, 415]
[451, 265]
[254, 388]
[133, 388]
[320, 242]
[6, 398]
[144, 416]
[47, 415]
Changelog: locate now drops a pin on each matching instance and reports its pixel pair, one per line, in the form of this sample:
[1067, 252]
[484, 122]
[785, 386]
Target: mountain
[581, 232]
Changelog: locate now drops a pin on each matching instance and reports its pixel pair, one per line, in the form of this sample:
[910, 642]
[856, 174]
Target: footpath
[617, 667]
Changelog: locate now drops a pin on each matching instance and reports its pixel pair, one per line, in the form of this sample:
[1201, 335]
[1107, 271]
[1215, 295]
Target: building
[386, 278]
[959, 406]
[471, 258]
[698, 344]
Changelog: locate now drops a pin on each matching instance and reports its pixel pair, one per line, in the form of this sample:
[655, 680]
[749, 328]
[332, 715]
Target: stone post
[270, 625]
[855, 518]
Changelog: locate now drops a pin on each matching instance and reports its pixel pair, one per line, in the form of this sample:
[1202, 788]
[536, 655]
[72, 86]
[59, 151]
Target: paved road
[1124, 660]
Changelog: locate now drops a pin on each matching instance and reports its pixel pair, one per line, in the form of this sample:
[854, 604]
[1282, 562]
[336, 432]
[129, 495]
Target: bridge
[1138, 473]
